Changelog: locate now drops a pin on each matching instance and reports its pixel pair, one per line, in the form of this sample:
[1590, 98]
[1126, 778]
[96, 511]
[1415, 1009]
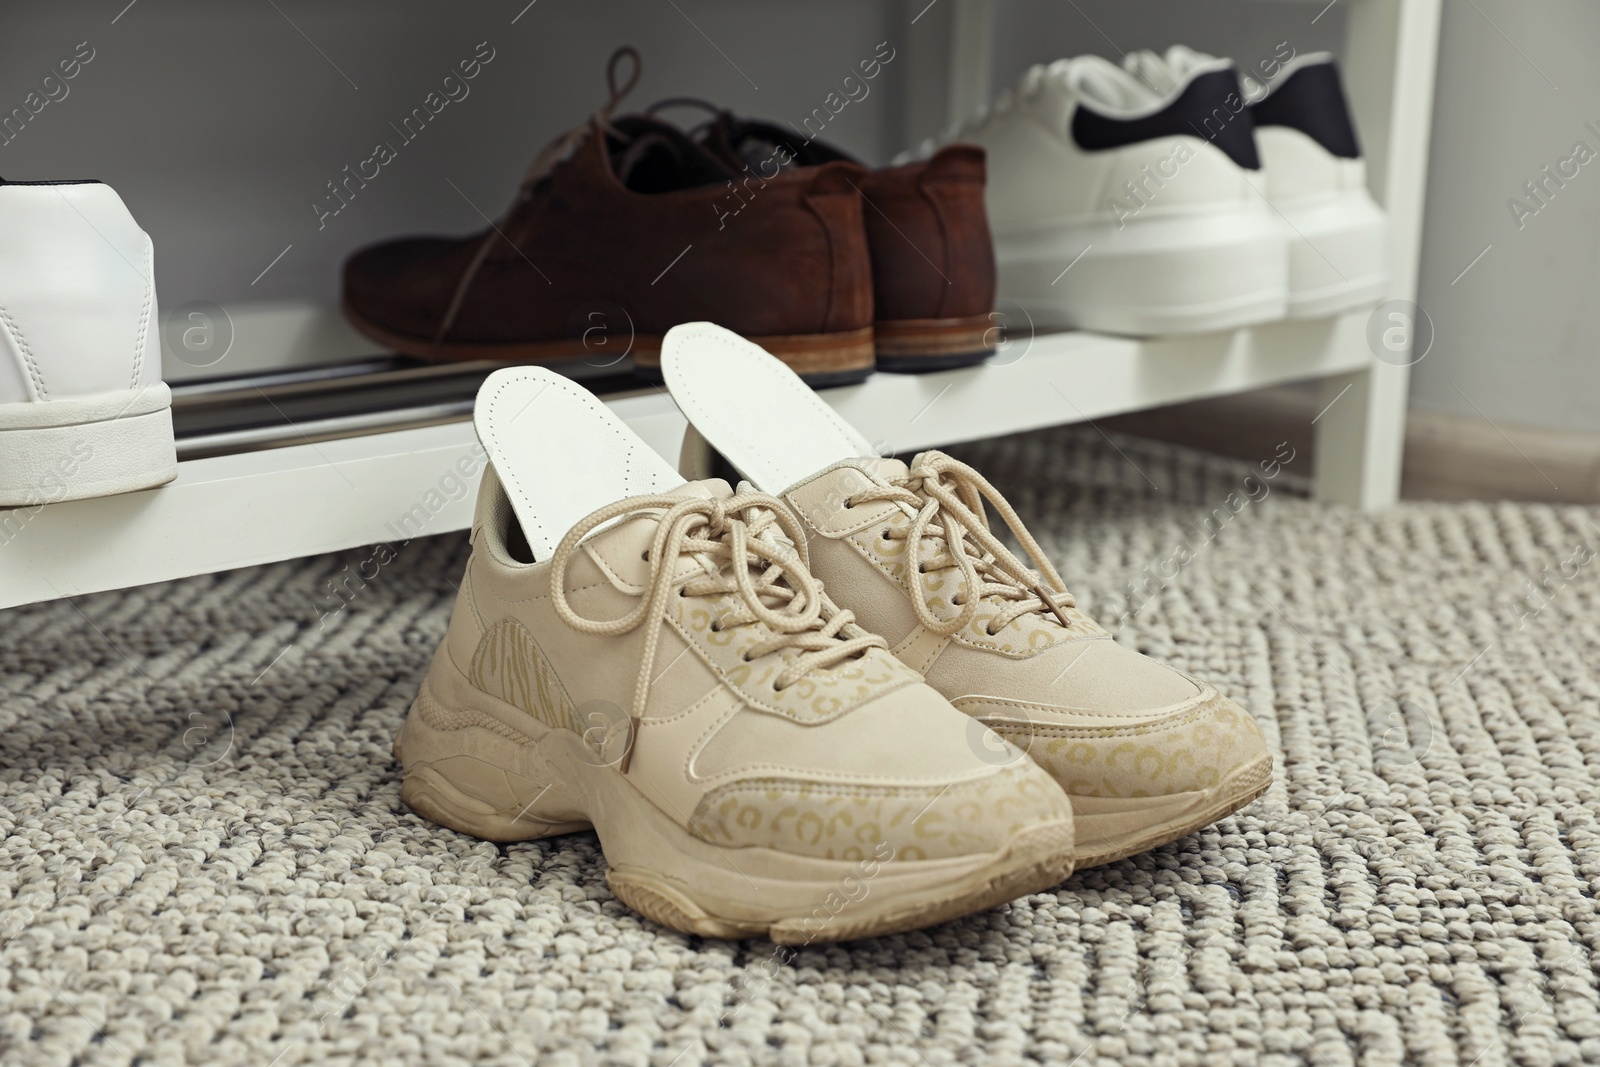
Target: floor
[205, 858]
[1448, 456]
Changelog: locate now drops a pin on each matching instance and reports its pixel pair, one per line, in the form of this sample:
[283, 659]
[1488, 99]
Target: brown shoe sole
[820, 358]
[918, 346]
[1110, 829]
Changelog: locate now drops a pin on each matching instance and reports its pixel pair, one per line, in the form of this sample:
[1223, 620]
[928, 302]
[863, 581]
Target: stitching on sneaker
[984, 778]
[509, 664]
[27, 353]
[139, 336]
[438, 717]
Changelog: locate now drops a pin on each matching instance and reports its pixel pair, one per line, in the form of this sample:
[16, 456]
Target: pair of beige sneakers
[656, 658]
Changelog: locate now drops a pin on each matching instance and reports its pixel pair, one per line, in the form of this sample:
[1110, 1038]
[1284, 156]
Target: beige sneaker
[1146, 753]
[652, 658]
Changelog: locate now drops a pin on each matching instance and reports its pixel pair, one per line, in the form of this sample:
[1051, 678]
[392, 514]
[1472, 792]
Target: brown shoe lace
[948, 497]
[553, 155]
[772, 580]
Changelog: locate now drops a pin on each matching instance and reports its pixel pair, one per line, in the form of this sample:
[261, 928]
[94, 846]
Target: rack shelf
[249, 507]
[261, 506]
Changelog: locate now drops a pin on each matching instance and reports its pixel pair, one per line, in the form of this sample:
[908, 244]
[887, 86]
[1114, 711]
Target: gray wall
[1519, 335]
[1038, 31]
[220, 123]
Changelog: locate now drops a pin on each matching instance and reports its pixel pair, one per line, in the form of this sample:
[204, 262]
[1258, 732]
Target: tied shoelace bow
[553, 155]
[724, 538]
[948, 497]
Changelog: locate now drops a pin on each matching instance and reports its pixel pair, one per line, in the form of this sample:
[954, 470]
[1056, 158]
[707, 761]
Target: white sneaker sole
[88, 446]
[1338, 254]
[476, 764]
[1178, 272]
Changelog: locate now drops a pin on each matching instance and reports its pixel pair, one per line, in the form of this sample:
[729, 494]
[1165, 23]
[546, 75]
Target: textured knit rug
[205, 857]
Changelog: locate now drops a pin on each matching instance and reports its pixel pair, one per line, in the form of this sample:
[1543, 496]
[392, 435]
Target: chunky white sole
[87, 446]
[1155, 273]
[1338, 254]
[481, 766]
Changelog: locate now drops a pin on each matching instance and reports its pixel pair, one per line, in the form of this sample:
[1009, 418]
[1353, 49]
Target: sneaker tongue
[1184, 60]
[885, 467]
[705, 489]
[718, 489]
[622, 545]
[1155, 71]
[975, 549]
[1104, 83]
[640, 527]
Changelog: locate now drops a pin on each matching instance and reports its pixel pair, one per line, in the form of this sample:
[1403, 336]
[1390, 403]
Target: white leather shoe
[83, 410]
[1117, 209]
[1315, 177]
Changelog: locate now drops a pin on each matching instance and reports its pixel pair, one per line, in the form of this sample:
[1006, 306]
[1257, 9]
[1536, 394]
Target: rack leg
[971, 58]
[1389, 72]
[1360, 436]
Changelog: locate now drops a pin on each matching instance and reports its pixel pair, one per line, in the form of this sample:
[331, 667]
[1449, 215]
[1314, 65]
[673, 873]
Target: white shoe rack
[262, 506]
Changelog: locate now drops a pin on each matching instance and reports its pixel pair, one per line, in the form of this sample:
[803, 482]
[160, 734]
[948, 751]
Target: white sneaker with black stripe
[1119, 209]
[1313, 175]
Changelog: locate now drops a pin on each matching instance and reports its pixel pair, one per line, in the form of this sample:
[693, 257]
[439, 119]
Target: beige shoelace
[948, 497]
[772, 581]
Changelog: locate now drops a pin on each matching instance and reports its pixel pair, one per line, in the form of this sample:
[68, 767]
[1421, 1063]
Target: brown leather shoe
[933, 274]
[623, 229]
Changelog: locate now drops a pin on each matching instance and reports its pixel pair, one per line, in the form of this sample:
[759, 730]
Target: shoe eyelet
[645, 555]
[716, 626]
